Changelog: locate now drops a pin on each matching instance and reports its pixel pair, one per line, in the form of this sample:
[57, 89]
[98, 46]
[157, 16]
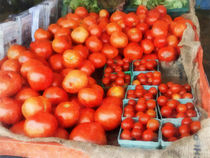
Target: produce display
[48, 89]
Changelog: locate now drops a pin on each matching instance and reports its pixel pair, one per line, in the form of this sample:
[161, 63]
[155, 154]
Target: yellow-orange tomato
[79, 34]
[116, 91]
[15, 51]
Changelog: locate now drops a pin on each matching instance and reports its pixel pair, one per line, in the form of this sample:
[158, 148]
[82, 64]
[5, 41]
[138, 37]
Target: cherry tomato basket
[139, 143]
[125, 101]
[182, 101]
[132, 67]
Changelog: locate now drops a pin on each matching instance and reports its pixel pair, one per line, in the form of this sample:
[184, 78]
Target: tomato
[180, 115]
[153, 124]
[151, 104]
[117, 15]
[181, 108]
[10, 83]
[81, 12]
[87, 67]
[131, 19]
[40, 77]
[26, 56]
[108, 115]
[167, 54]
[168, 131]
[187, 96]
[147, 46]
[93, 43]
[72, 59]
[134, 35]
[148, 135]
[68, 23]
[186, 121]
[105, 38]
[143, 118]
[73, 16]
[126, 134]
[160, 41]
[119, 40]
[141, 10]
[88, 21]
[53, 28]
[83, 50]
[171, 139]
[110, 51]
[79, 34]
[178, 28]
[33, 105]
[67, 113]
[136, 133]
[110, 100]
[60, 44]
[175, 88]
[10, 110]
[138, 125]
[116, 91]
[191, 113]
[152, 17]
[127, 123]
[61, 133]
[187, 87]
[133, 51]
[86, 115]
[103, 13]
[98, 59]
[172, 40]
[172, 103]
[166, 111]
[57, 80]
[184, 129]
[95, 30]
[151, 113]
[56, 62]
[18, 128]
[175, 96]
[162, 100]
[14, 51]
[162, 10]
[195, 126]
[160, 28]
[74, 81]
[42, 124]
[112, 27]
[26, 93]
[62, 32]
[11, 65]
[41, 34]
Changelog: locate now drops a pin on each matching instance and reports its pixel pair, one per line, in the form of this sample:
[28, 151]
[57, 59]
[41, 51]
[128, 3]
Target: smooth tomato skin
[162, 10]
[172, 40]
[81, 12]
[26, 56]
[160, 41]
[90, 97]
[184, 129]
[112, 27]
[195, 126]
[162, 100]
[60, 44]
[67, 113]
[57, 80]
[186, 121]
[127, 123]
[14, 51]
[79, 34]
[10, 83]
[86, 115]
[172, 103]
[56, 62]
[134, 35]
[98, 59]
[191, 113]
[62, 32]
[40, 77]
[116, 16]
[126, 134]
[147, 46]
[83, 50]
[131, 19]
[160, 28]
[103, 13]
[91, 132]
[148, 135]
[72, 59]
[168, 131]
[178, 28]
[93, 43]
[41, 34]
[18, 128]
[33, 105]
[110, 100]
[11, 65]
[26, 93]
[42, 124]
[141, 10]
[119, 39]
[133, 51]
[167, 54]
[61, 133]
[68, 23]
[166, 111]
[116, 91]
[10, 111]
[98, 88]
[108, 115]
[55, 95]
[53, 28]
[43, 48]
[91, 80]
[110, 51]
[74, 81]
[163, 88]
[87, 67]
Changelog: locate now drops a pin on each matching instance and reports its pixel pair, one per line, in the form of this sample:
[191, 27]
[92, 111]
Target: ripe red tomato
[168, 131]
[72, 59]
[41, 34]
[95, 30]
[25, 56]
[175, 88]
[134, 35]
[184, 129]
[133, 51]
[152, 16]
[186, 121]
[151, 104]
[79, 34]
[191, 113]
[153, 124]
[178, 28]
[109, 115]
[42, 124]
[40, 77]
[103, 13]
[126, 134]
[43, 48]
[98, 59]
[195, 126]
[68, 23]
[143, 118]
[86, 115]
[110, 99]
[57, 79]
[87, 67]
[148, 135]
[53, 28]
[136, 133]
[181, 115]
[181, 108]
[56, 62]
[119, 40]
[60, 44]
[83, 50]
[62, 32]
[141, 10]
[81, 12]
[166, 111]
[151, 113]
[67, 113]
[10, 83]
[26, 93]
[14, 51]
[93, 43]
[147, 46]
[162, 100]
[127, 123]
[172, 40]
[74, 81]
[116, 91]
[117, 15]
[112, 27]
[162, 10]
[160, 28]
[33, 105]
[172, 104]
[167, 54]
[61, 133]
[160, 41]
[110, 51]
[131, 19]
[10, 111]
[187, 96]
[18, 128]
[11, 65]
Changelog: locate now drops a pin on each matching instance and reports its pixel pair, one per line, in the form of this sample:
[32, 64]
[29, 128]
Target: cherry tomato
[126, 134]
[136, 133]
[166, 111]
[168, 131]
[181, 108]
[148, 135]
[195, 126]
[153, 124]
[162, 100]
[186, 121]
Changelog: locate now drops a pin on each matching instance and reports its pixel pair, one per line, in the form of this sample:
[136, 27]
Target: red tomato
[166, 111]
[25, 56]
[93, 43]
[187, 96]
[136, 133]
[116, 16]
[131, 19]
[43, 48]
[172, 40]
[162, 10]
[184, 129]
[134, 35]
[151, 104]
[83, 50]
[160, 28]
[55, 95]
[105, 38]
[151, 113]
[160, 41]
[53, 28]
[40, 77]
[10, 111]
[67, 113]
[18, 128]
[113, 27]
[98, 59]
[87, 67]
[152, 17]
[33, 105]
[168, 131]
[11, 65]
[60, 44]
[143, 118]
[61, 133]
[153, 124]
[186, 121]
[86, 115]
[26, 93]
[108, 115]
[88, 21]
[191, 113]
[147, 46]
[14, 51]
[175, 88]
[133, 51]
[143, 27]
[181, 108]
[81, 12]
[110, 51]
[119, 40]
[148, 135]
[41, 34]
[79, 35]
[195, 126]
[172, 103]
[110, 99]
[178, 28]
[95, 30]
[126, 134]
[10, 83]
[167, 54]
[141, 10]
[68, 23]
[57, 79]
[62, 32]
[42, 124]
[56, 62]
[103, 13]
[127, 123]
[162, 100]
[181, 115]
[72, 59]
[74, 81]
[116, 91]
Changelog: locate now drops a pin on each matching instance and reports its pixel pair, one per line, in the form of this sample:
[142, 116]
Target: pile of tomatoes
[138, 130]
[141, 108]
[145, 65]
[171, 132]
